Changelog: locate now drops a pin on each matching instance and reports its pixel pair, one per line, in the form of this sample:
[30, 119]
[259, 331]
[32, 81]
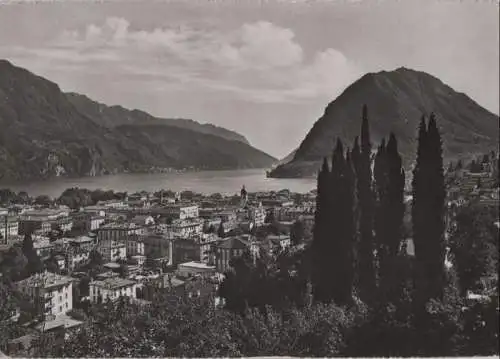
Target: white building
[51, 293]
[181, 211]
[135, 245]
[187, 227]
[9, 226]
[112, 288]
[112, 250]
[76, 257]
[118, 231]
[281, 241]
[190, 269]
[257, 215]
[43, 247]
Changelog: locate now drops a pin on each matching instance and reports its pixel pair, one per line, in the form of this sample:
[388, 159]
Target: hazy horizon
[265, 69]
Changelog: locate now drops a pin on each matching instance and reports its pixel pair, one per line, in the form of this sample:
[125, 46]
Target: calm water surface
[207, 182]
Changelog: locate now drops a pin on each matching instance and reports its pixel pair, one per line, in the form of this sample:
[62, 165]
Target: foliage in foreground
[195, 328]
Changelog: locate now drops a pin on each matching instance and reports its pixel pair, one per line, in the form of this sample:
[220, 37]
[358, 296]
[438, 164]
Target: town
[180, 242]
[135, 245]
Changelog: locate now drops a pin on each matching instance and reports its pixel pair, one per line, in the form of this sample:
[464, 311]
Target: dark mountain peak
[396, 100]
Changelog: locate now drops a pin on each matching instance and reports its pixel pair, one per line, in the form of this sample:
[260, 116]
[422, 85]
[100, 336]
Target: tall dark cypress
[380, 217]
[341, 226]
[332, 247]
[428, 213]
[365, 263]
[319, 247]
[391, 209]
[436, 211]
[419, 206]
[350, 203]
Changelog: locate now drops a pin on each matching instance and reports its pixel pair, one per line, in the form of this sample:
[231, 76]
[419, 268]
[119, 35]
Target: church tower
[243, 197]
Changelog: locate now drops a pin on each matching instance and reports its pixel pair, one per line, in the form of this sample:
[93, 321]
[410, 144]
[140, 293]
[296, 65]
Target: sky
[264, 68]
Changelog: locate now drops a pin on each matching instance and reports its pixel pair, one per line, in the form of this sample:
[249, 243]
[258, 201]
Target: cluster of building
[480, 188]
[146, 244]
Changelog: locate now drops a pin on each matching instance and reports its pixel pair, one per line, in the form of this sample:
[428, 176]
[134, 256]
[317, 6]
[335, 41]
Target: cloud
[258, 61]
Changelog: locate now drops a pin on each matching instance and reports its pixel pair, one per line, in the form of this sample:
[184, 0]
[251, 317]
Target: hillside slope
[396, 101]
[113, 116]
[44, 134]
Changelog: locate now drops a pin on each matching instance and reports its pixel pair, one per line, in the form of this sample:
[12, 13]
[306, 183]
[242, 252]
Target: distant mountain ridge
[45, 132]
[113, 116]
[396, 101]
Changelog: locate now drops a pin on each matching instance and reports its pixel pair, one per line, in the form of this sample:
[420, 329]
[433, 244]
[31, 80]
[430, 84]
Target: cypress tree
[436, 211]
[392, 209]
[332, 247]
[419, 206]
[341, 220]
[34, 264]
[349, 221]
[380, 218]
[428, 213]
[319, 270]
[362, 160]
[220, 231]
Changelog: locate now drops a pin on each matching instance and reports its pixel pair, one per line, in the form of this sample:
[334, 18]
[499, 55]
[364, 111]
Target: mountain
[44, 133]
[113, 116]
[396, 101]
[288, 157]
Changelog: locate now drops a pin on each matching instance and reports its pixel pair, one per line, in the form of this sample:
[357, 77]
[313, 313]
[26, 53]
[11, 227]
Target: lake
[206, 182]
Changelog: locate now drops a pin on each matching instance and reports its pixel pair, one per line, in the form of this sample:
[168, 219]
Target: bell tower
[243, 197]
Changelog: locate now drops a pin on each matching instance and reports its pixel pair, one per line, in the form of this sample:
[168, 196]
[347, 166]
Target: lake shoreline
[206, 182]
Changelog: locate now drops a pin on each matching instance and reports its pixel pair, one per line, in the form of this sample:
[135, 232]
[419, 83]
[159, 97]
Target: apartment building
[9, 226]
[88, 221]
[118, 231]
[135, 245]
[51, 293]
[42, 220]
[112, 288]
[43, 247]
[257, 216]
[112, 250]
[229, 249]
[191, 269]
[187, 227]
[158, 245]
[181, 211]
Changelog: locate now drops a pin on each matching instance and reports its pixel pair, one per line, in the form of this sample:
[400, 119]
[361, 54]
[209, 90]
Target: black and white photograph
[249, 178]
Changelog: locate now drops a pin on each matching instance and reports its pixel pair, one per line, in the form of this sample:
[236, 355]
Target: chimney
[6, 218]
[170, 252]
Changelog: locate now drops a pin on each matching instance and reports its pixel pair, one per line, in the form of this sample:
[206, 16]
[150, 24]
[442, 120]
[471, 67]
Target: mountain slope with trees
[44, 134]
[397, 99]
[113, 116]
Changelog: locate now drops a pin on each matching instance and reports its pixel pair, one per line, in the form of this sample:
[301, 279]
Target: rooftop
[46, 280]
[45, 212]
[59, 321]
[81, 239]
[112, 265]
[113, 283]
[234, 243]
[116, 225]
[43, 243]
[197, 265]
